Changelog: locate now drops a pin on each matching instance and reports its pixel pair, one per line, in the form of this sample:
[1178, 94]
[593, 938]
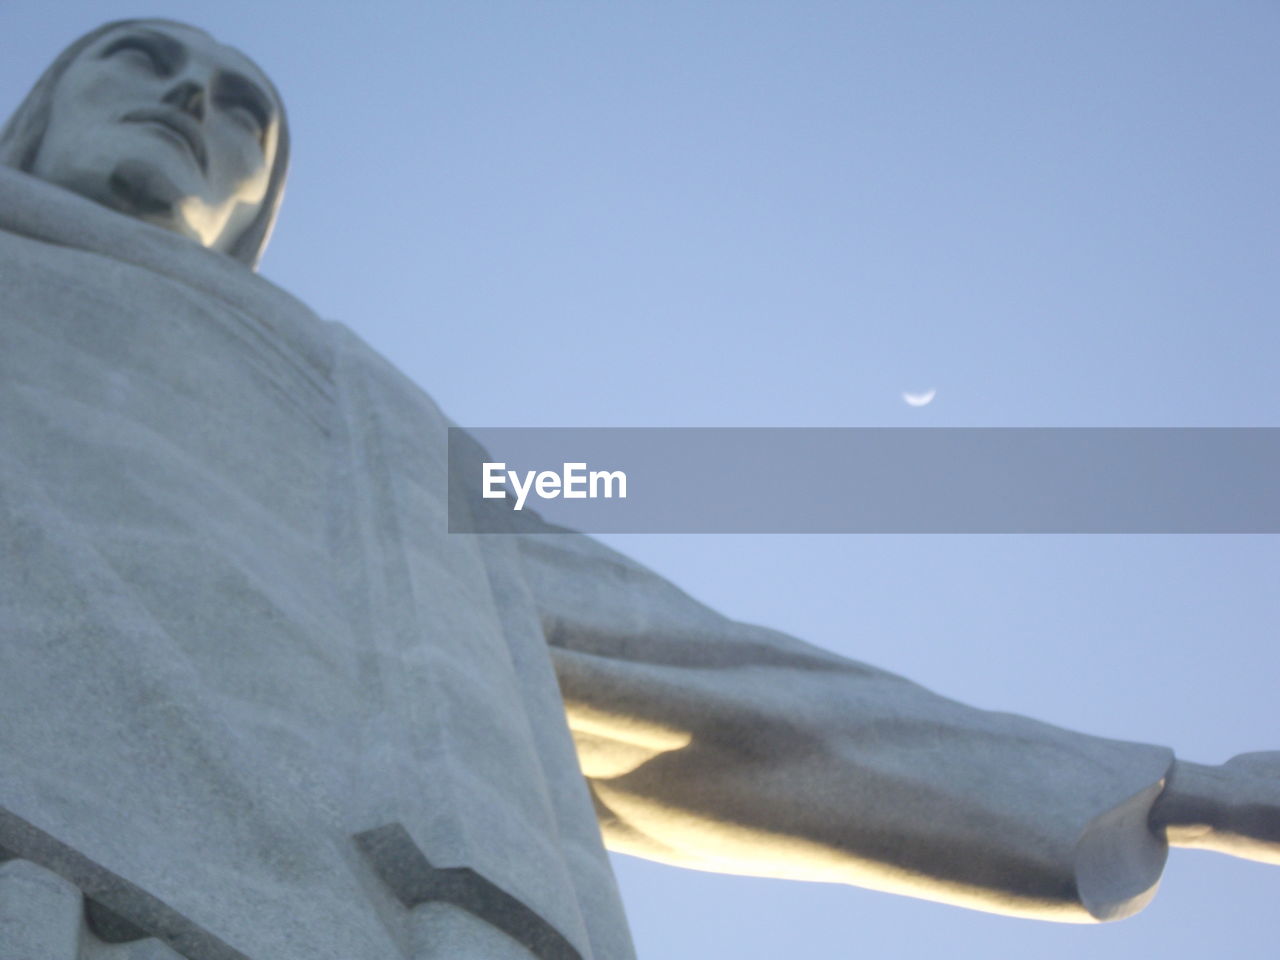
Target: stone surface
[226, 652]
[39, 913]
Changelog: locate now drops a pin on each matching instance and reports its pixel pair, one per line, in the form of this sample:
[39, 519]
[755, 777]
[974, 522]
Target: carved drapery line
[406, 870]
[116, 910]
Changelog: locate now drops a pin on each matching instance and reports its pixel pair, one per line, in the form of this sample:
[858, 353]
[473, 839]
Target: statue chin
[143, 190]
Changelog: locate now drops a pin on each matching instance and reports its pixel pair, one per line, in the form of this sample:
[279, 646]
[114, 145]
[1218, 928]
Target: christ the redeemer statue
[256, 702]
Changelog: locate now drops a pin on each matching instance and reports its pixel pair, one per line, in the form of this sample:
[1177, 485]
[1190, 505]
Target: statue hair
[21, 138]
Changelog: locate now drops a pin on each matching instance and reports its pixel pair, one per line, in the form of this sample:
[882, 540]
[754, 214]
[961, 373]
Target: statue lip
[179, 123]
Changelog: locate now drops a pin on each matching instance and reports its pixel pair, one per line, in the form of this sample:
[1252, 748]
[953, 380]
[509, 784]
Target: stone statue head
[157, 120]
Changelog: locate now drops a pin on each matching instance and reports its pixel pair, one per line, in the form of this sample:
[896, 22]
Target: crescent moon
[919, 399]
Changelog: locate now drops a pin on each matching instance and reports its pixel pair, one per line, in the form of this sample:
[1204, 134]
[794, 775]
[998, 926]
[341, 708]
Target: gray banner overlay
[866, 480]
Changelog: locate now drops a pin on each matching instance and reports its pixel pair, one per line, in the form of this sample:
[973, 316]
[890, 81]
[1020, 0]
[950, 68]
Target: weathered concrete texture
[237, 633]
[39, 913]
[416, 882]
[43, 916]
[442, 931]
[149, 949]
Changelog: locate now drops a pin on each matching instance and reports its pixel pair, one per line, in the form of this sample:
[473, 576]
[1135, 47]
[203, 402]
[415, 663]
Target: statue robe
[254, 692]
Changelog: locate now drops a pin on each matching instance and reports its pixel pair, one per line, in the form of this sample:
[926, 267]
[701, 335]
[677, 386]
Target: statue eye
[244, 103]
[141, 51]
[247, 117]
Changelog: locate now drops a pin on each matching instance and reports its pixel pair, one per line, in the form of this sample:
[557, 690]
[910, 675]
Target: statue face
[163, 123]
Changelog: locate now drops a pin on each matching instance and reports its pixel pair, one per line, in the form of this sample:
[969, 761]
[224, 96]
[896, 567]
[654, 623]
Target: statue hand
[1233, 808]
[1253, 820]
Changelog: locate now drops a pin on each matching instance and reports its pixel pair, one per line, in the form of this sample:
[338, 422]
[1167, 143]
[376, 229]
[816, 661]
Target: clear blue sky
[773, 214]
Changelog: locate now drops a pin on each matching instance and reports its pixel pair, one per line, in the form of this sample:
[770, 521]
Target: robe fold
[237, 638]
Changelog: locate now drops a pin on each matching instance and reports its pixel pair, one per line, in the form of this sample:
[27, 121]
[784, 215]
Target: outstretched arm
[721, 746]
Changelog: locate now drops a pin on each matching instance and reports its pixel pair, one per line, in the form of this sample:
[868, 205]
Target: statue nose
[188, 97]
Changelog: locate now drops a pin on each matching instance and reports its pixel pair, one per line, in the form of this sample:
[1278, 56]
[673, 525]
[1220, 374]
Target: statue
[258, 703]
